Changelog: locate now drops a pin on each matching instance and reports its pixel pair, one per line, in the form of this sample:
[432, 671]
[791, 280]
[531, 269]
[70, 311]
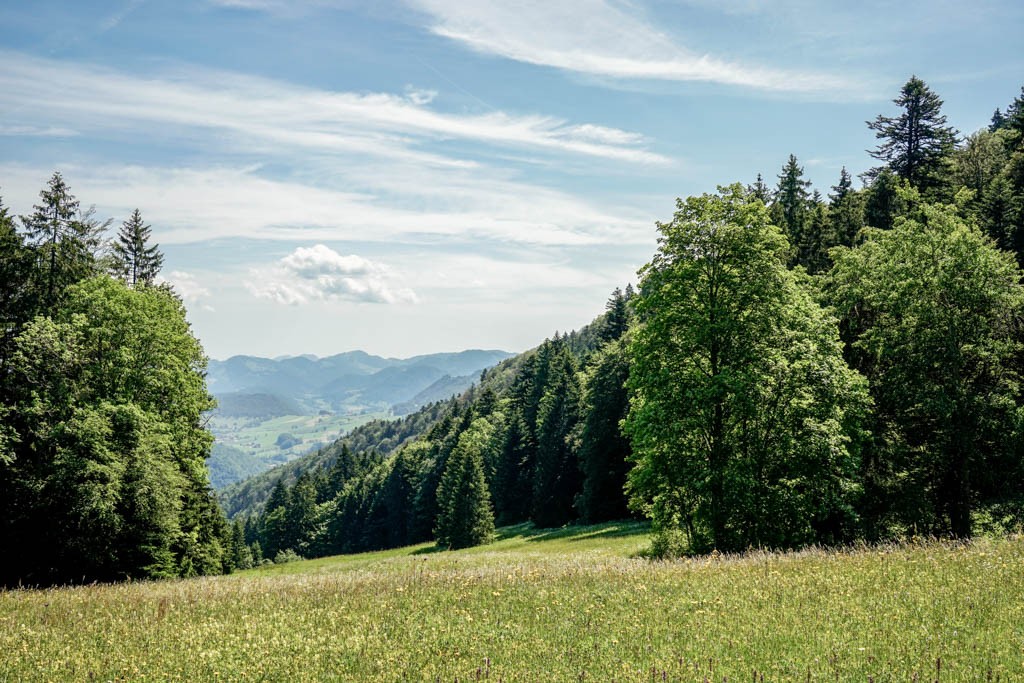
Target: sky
[415, 176]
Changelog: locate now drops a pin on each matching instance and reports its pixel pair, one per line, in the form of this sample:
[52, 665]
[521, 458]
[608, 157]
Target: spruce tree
[914, 143]
[465, 517]
[136, 260]
[59, 240]
[791, 206]
[603, 452]
[846, 211]
[15, 303]
[616, 317]
[760, 190]
[556, 476]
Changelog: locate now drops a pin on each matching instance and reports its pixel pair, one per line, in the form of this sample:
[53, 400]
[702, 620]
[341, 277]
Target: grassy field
[247, 445]
[258, 437]
[570, 605]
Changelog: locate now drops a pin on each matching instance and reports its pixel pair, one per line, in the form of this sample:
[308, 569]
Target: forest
[791, 369]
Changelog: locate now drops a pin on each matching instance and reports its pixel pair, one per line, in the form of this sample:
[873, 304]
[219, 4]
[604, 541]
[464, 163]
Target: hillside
[384, 436]
[308, 402]
[556, 605]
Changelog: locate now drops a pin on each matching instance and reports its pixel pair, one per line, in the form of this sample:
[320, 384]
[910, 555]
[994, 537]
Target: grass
[566, 605]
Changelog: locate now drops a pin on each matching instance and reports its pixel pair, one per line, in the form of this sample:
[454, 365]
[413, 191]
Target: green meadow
[576, 604]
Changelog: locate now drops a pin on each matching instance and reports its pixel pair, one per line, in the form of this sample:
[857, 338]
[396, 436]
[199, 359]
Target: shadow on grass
[532, 534]
[429, 550]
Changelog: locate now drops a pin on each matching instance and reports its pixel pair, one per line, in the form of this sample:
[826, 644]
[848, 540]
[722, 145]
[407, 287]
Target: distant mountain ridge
[347, 382]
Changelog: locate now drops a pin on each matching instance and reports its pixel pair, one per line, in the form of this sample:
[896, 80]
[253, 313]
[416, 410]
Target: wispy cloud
[196, 204]
[37, 131]
[269, 115]
[602, 38]
[319, 273]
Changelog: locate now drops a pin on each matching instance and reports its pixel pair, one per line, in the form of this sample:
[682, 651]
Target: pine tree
[616, 317]
[465, 517]
[914, 143]
[603, 451]
[556, 476]
[58, 239]
[136, 260]
[791, 206]
[846, 211]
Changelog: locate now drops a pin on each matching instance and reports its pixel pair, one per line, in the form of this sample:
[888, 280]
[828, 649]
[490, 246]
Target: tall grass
[564, 606]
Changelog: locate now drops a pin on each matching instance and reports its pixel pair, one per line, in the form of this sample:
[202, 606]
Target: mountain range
[350, 382]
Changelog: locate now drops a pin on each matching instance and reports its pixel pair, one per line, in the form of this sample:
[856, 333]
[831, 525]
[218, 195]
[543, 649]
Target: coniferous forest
[791, 368]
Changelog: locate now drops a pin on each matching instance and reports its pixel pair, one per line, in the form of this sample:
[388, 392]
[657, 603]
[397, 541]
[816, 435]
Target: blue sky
[416, 176]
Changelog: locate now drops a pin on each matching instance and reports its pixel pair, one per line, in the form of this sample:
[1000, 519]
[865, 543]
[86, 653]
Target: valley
[271, 411]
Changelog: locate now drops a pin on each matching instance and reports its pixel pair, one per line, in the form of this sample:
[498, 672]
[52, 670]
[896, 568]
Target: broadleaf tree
[744, 418]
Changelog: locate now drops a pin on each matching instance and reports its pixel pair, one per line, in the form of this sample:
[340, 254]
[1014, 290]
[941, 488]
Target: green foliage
[602, 450]
[136, 261]
[915, 143]
[744, 415]
[108, 476]
[465, 517]
[932, 311]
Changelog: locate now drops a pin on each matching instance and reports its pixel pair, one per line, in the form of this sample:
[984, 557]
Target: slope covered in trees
[792, 369]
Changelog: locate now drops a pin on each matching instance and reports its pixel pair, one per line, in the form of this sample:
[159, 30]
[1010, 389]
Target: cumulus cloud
[319, 273]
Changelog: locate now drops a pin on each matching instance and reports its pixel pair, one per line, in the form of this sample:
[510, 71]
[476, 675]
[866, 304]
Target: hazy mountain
[309, 401]
[346, 382]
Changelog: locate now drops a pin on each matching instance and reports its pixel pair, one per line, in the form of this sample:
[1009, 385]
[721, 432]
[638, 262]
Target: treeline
[793, 369]
[102, 391]
[507, 451]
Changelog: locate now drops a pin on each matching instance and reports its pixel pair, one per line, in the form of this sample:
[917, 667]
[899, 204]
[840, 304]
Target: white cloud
[319, 273]
[188, 288]
[419, 96]
[395, 203]
[263, 115]
[37, 131]
[602, 38]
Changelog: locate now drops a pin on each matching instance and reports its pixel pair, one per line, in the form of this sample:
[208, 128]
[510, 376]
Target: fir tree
[60, 240]
[846, 211]
[791, 206]
[136, 260]
[602, 450]
[465, 517]
[914, 143]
